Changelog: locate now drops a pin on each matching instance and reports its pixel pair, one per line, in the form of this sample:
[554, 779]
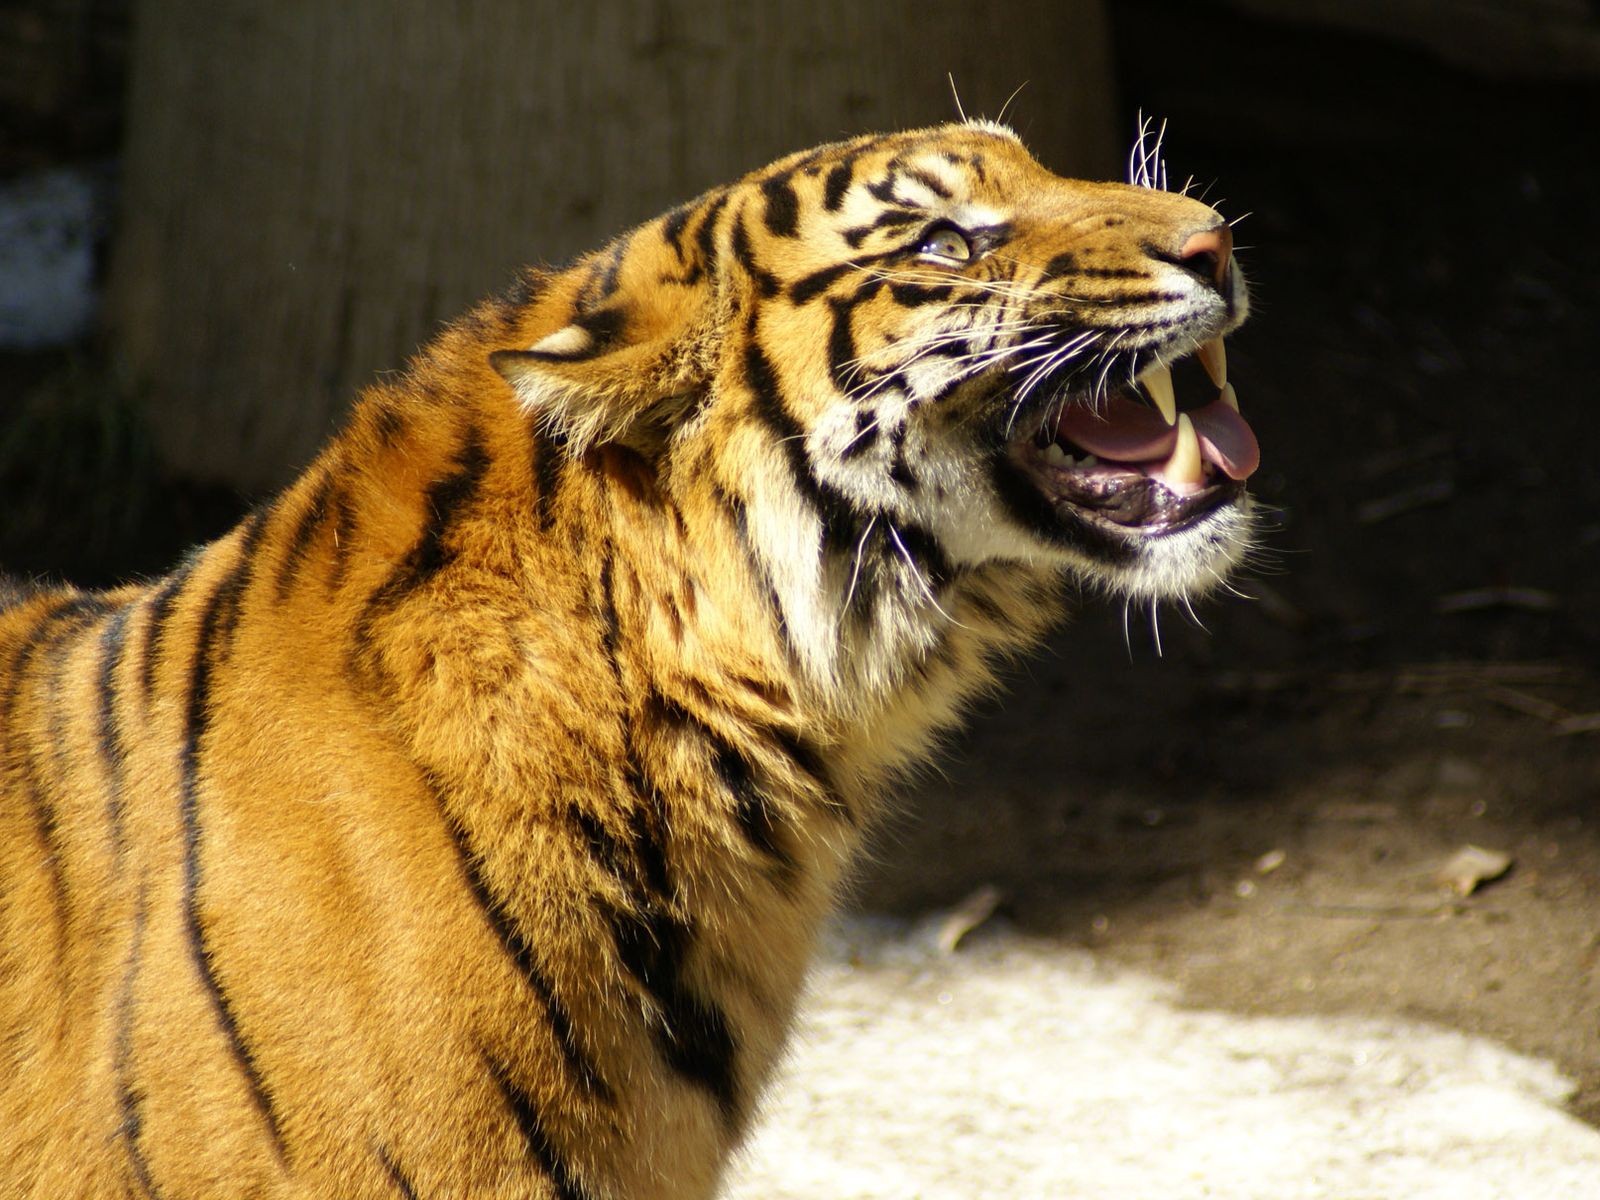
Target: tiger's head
[920, 347]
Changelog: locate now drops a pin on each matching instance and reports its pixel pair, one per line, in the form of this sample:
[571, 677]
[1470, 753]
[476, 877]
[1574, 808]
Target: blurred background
[218, 221]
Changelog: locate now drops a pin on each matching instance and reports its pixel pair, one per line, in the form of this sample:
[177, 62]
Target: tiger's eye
[947, 243]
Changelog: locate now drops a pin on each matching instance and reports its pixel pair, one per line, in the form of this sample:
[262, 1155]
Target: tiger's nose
[1207, 253]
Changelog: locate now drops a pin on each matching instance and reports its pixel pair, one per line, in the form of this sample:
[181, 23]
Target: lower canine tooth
[1186, 464]
[1055, 455]
[1157, 382]
[1215, 360]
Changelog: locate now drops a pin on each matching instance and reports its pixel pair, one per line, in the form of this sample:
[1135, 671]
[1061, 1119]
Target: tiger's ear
[635, 343]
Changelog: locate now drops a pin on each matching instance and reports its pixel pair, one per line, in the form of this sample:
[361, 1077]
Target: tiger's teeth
[1215, 360]
[1055, 455]
[1229, 397]
[1157, 383]
[1186, 464]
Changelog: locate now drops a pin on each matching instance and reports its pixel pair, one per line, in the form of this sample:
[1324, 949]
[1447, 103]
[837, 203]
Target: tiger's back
[461, 823]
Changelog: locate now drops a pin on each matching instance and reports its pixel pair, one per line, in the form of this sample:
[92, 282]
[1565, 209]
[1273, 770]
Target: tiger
[462, 822]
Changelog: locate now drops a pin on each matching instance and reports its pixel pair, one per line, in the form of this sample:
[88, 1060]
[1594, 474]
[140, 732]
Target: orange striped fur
[461, 823]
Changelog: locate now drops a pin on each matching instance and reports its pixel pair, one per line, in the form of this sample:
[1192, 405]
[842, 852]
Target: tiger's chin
[1141, 489]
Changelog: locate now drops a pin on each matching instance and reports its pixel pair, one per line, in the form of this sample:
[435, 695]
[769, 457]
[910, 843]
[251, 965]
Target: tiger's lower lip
[1129, 501]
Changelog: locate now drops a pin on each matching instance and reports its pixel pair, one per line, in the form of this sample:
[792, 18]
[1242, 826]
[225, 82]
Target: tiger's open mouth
[1147, 459]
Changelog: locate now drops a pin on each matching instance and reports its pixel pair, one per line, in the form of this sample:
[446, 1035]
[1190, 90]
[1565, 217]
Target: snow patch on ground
[1019, 1069]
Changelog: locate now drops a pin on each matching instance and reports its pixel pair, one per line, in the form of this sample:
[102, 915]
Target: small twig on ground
[1477, 599]
[1533, 706]
[1385, 507]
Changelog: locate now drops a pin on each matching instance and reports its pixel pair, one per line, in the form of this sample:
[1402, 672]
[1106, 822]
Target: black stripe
[1113, 273]
[443, 503]
[857, 234]
[517, 949]
[56, 742]
[16, 591]
[534, 1134]
[900, 466]
[782, 215]
[617, 254]
[109, 730]
[1065, 263]
[305, 529]
[842, 522]
[883, 190]
[706, 235]
[527, 287]
[770, 406]
[766, 282]
[155, 629]
[388, 423]
[445, 500]
[926, 553]
[692, 1033]
[841, 344]
[51, 630]
[211, 651]
[548, 461]
[867, 289]
[402, 1183]
[808, 761]
[838, 183]
[912, 295]
[934, 185]
[344, 532]
[672, 227]
[818, 281]
[898, 218]
[757, 822]
[610, 624]
[605, 327]
[810, 286]
[130, 1100]
[647, 828]
[604, 848]
[865, 436]
[639, 866]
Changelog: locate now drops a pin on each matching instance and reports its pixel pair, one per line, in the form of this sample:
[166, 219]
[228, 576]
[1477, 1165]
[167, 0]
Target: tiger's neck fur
[640, 788]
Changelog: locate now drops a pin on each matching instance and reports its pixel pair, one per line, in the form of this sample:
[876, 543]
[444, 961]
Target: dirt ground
[1418, 671]
[1257, 812]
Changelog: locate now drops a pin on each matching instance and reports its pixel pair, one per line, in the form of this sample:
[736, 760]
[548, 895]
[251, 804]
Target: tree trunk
[311, 187]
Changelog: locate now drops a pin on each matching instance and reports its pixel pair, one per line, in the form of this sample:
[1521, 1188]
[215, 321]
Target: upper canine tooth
[1229, 397]
[1158, 383]
[1215, 360]
[1186, 464]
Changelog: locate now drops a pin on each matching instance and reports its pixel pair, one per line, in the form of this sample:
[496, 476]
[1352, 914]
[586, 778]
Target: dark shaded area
[1419, 669]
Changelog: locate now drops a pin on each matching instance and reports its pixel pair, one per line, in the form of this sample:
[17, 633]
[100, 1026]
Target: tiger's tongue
[1125, 431]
